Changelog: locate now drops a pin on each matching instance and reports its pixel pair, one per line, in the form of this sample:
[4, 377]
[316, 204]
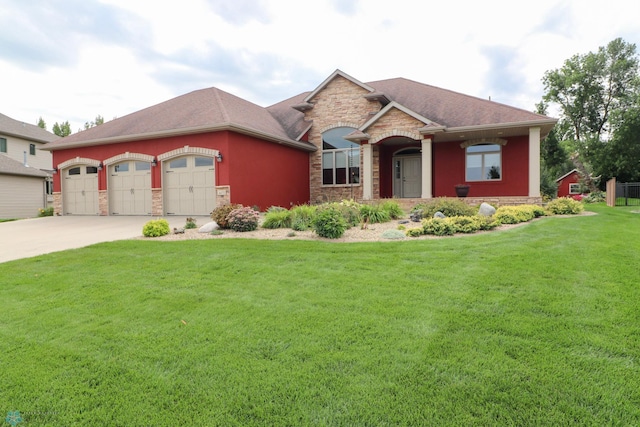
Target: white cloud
[116, 56]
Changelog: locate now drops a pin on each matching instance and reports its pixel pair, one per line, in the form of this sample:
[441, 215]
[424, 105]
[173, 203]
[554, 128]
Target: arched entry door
[407, 174]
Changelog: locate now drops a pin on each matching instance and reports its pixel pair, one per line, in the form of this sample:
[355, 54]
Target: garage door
[130, 188]
[189, 186]
[80, 192]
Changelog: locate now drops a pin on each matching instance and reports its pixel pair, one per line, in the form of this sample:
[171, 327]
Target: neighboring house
[344, 140]
[569, 184]
[25, 169]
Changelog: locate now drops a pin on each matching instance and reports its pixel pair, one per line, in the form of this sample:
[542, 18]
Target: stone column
[534, 162]
[367, 171]
[426, 169]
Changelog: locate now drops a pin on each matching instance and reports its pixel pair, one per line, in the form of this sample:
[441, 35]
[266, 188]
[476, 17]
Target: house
[343, 140]
[569, 184]
[25, 169]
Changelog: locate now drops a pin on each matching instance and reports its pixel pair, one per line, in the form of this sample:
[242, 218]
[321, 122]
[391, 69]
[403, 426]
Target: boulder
[208, 227]
[486, 209]
[439, 215]
[416, 216]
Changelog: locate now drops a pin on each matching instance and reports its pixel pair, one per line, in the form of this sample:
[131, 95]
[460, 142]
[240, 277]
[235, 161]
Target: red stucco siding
[449, 170]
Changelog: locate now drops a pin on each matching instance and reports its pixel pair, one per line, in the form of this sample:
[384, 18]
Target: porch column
[534, 162]
[426, 169]
[367, 171]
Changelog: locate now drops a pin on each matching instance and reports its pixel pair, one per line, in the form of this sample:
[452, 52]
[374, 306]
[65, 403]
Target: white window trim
[466, 158]
[574, 185]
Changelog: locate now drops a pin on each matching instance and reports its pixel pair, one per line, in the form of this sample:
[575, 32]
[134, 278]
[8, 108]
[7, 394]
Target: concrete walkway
[36, 236]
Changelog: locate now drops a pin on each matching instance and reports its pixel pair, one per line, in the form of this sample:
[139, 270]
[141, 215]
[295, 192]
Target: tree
[553, 155]
[620, 157]
[41, 123]
[63, 129]
[98, 121]
[591, 91]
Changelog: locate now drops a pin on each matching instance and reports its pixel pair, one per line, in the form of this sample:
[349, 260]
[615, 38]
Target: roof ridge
[221, 105]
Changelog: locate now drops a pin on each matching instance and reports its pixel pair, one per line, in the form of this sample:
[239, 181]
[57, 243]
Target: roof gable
[576, 171]
[399, 107]
[337, 73]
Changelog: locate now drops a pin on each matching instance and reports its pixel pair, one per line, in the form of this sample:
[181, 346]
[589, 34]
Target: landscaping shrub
[302, 216]
[374, 214]
[487, 222]
[466, 224]
[438, 226]
[350, 211]
[191, 223]
[155, 228]
[448, 206]
[415, 232]
[393, 208]
[595, 197]
[219, 214]
[513, 214]
[243, 219]
[329, 222]
[280, 218]
[565, 206]
[275, 209]
[45, 212]
[393, 235]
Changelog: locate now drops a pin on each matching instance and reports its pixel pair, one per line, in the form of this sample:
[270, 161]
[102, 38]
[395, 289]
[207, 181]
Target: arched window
[340, 158]
[484, 162]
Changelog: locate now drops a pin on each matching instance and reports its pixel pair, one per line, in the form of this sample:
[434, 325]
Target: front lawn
[537, 325]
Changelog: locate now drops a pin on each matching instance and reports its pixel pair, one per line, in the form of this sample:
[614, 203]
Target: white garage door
[80, 192]
[189, 186]
[21, 196]
[130, 188]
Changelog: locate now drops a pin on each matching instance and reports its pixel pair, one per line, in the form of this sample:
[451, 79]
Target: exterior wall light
[219, 157]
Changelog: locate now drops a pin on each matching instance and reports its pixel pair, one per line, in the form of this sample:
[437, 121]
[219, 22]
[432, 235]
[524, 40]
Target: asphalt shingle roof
[213, 109]
[9, 126]
[8, 166]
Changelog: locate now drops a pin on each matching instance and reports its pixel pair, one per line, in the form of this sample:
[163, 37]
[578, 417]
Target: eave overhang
[185, 131]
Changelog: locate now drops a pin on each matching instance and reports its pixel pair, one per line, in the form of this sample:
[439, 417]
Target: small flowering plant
[243, 219]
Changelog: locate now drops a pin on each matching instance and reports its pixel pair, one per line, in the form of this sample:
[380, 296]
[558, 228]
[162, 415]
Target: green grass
[537, 325]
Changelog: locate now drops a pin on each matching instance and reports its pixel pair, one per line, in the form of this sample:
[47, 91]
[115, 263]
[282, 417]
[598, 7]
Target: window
[340, 158]
[3, 145]
[178, 163]
[32, 149]
[574, 188]
[143, 166]
[484, 162]
[92, 169]
[122, 167]
[74, 171]
[204, 161]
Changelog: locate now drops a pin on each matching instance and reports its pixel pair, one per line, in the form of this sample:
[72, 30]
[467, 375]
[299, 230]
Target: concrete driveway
[35, 236]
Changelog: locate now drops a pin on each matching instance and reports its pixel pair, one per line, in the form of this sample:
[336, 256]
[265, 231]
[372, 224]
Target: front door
[407, 182]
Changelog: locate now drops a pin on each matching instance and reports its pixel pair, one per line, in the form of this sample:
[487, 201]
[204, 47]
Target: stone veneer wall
[57, 203]
[223, 195]
[156, 202]
[103, 202]
[340, 103]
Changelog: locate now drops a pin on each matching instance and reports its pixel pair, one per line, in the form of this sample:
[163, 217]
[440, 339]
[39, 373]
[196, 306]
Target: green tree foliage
[41, 123]
[98, 121]
[593, 91]
[620, 156]
[589, 88]
[62, 129]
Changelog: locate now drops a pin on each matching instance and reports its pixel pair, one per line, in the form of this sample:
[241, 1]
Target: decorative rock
[439, 215]
[406, 221]
[486, 209]
[208, 227]
[416, 216]
[178, 230]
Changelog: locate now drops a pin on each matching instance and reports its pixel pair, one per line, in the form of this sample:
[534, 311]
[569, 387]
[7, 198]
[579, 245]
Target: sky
[77, 59]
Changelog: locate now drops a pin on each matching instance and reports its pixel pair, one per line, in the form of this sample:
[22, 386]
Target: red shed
[569, 184]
